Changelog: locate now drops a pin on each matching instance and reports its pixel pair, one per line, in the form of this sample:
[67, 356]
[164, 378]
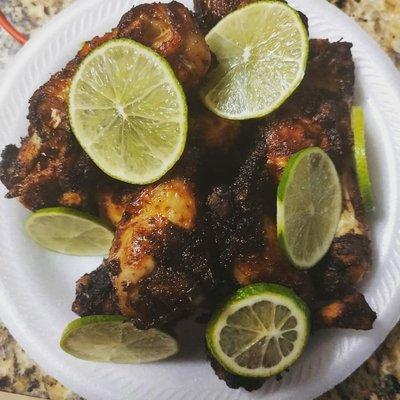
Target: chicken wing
[50, 168]
[158, 267]
[242, 214]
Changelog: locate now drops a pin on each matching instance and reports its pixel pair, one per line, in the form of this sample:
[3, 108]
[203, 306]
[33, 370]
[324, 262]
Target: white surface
[37, 287]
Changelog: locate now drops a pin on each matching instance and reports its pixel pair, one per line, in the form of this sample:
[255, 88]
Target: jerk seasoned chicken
[318, 114]
[158, 268]
[242, 214]
[50, 168]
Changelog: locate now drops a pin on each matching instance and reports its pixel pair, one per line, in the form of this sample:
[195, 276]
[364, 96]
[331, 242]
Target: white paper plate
[37, 287]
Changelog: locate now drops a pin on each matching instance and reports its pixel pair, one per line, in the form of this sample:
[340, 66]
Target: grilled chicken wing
[50, 168]
[158, 268]
[317, 114]
[244, 227]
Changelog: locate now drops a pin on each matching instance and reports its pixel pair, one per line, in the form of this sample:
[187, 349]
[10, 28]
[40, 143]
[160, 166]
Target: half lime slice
[309, 205]
[128, 111]
[69, 231]
[111, 338]
[260, 331]
[262, 51]
[360, 157]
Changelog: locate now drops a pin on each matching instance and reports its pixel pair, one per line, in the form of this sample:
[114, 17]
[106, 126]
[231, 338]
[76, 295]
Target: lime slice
[260, 331]
[128, 111]
[69, 231]
[308, 207]
[360, 156]
[111, 338]
[262, 50]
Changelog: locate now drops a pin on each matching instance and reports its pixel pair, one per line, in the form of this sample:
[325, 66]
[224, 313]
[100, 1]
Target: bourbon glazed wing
[50, 168]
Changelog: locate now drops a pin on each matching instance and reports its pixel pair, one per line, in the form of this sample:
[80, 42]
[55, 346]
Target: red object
[6, 25]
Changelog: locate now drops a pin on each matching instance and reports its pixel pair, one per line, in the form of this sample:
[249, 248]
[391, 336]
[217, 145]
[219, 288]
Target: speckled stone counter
[377, 379]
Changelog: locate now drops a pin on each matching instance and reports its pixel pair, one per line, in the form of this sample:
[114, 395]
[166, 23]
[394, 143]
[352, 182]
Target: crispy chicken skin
[318, 112]
[50, 168]
[171, 31]
[158, 266]
[209, 12]
[351, 311]
[270, 265]
[112, 200]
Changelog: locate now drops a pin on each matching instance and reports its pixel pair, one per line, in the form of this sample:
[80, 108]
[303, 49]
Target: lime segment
[308, 207]
[128, 111]
[111, 338]
[260, 331]
[69, 231]
[360, 157]
[262, 50]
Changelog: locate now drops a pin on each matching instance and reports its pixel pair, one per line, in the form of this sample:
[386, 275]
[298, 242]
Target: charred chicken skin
[158, 268]
[50, 168]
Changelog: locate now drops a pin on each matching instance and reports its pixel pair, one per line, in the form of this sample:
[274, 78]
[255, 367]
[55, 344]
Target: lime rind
[360, 158]
[114, 339]
[43, 225]
[91, 319]
[239, 61]
[249, 296]
[138, 148]
[325, 238]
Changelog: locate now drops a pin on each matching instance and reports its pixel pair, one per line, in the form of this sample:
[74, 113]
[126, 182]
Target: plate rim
[15, 324]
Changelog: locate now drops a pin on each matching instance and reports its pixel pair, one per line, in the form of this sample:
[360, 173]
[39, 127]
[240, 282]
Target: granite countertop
[377, 379]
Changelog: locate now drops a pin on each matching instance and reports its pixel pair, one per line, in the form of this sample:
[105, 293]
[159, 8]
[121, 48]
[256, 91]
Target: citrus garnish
[260, 331]
[262, 51]
[111, 338]
[69, 231]
[309, 205]
[360, 157]
[128, 111]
